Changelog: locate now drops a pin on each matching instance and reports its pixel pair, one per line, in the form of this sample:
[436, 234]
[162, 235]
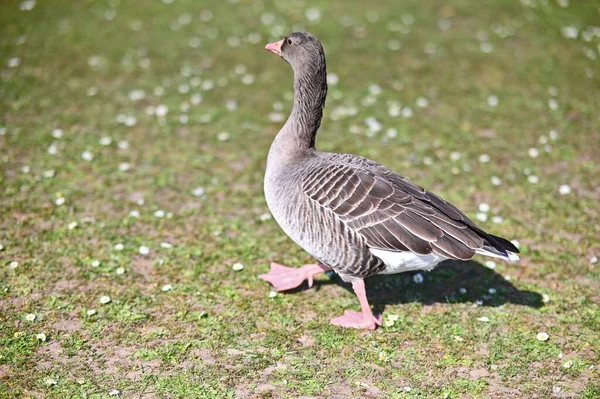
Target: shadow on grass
[442, 285]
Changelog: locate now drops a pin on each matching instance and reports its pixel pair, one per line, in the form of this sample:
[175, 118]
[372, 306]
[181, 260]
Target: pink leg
[285, 278]
[363, 319]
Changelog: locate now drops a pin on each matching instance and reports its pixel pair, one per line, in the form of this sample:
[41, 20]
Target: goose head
[301, 50]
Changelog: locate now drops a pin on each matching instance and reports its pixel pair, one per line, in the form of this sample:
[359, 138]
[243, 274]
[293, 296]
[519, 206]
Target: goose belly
[404, 261]
[318, 232]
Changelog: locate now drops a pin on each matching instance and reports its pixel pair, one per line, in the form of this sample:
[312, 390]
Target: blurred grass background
[130, 124]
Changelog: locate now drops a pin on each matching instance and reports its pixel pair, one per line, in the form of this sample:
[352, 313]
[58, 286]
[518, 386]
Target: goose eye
[289, 41]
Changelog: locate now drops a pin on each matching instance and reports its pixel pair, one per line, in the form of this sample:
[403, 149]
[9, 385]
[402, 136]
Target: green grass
[216, 333]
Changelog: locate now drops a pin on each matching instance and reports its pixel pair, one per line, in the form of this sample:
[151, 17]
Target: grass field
[133, 138]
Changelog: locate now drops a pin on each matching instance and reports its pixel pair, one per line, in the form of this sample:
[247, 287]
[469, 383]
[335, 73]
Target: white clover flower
[455, 156]
[542, 336]
[91, 312]
[124, 166]
[104, 299]
[407, 389]
[490, 264]
[13, 265]
[570, 32]
[375, 89]
[276, 117]
[484, 207]
[53, 149]
[265, 216]
[492, 291]
[545, 298]
[92, 91]
[568, 364]
[486, 47]
[161, 111]
[166, 245]
[136, 95]
[87, 156]
[119, 246]
[159, 214]
[72, 225]
[422, 102]
[391, 133]
[481, 216]
[41, 337]
[272, 294]
[393, 317]
[95, 263]
[144, 250]
[237, 267]
[196, 99]
[14, 62]
[332, 79]
[496, 181]
[114, 392]
[48, 173]
[134, 214]
[166, 288]
[394, 110]
[418, 278]
[483, 319]
[123, 145]
[389, 323]
[130, 121]
[223, 136]
[60, 201]
[484, 158]
[120, 270]
[30, 317]
[564, 189]
[313, 14]
[248, 79]
[533, 152]
[57, 133]
[383, 357]
[50, 381]
[462, 291]
[497, 219]
[493, 101]
[407, 112]
[231, 105]
[105, 140]
[198, 192]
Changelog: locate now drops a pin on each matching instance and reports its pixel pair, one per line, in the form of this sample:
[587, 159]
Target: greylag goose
[355, 216]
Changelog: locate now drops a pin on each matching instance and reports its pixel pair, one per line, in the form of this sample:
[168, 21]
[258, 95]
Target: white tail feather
[512, 257]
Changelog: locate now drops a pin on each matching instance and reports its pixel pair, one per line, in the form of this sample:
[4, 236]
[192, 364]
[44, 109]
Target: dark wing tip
[504, 244]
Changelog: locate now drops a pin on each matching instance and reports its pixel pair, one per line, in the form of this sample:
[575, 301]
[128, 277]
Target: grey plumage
[353, 214]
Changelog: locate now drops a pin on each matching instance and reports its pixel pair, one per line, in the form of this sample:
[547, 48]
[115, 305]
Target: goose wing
[394, 214]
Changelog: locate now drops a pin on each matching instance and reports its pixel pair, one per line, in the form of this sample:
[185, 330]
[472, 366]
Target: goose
[355, 216]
